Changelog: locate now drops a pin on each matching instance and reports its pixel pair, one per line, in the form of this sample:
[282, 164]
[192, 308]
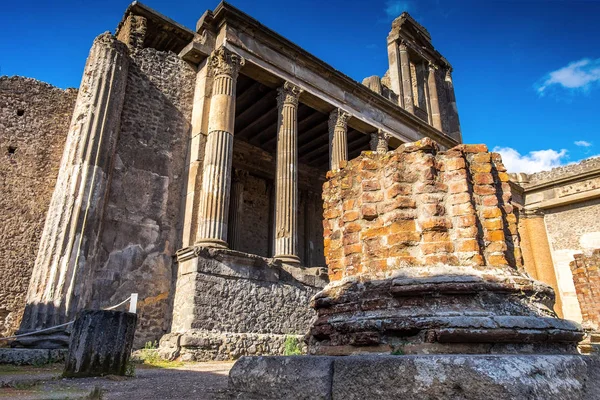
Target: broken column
[286, 185]
[216, 171]
[423, 257]
[70, 240]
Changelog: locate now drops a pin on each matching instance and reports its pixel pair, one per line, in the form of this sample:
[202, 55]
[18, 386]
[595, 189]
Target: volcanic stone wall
[586, 276]
[34, 120]
[142, 221]
[419, 206]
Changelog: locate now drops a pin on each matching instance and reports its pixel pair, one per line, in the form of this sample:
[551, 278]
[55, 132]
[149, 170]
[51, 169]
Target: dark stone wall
[34, 120]
[142, 222]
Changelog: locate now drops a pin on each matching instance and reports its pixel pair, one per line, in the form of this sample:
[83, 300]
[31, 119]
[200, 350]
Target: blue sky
[526, 73]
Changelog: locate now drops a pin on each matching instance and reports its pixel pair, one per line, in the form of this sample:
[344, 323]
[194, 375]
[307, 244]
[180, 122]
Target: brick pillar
[216, 172]
[286, 182]
[338, 141]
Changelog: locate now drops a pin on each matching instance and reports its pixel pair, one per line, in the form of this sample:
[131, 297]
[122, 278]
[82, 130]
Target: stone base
[199, 345]
[32, 356]
[440, 377]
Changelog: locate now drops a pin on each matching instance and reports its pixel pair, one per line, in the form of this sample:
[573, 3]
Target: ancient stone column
[216, 172]
[453, 118]
[236, 208]
[436, 119]
[338, 141]
[379, 141]
[535, 240]
[286, 181]
[406, 78]
[73, 226]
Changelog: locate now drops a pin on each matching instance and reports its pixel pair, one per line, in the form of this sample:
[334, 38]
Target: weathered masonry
[192, 174]
[559, 226]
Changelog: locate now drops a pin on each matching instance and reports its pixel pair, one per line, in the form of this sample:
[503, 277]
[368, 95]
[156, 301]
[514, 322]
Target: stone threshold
[440, 377]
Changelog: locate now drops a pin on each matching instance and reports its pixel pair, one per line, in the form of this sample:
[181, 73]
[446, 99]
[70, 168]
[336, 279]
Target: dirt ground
[206, 380]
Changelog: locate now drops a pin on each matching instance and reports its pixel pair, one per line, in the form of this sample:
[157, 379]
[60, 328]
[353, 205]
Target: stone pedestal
[100, 344]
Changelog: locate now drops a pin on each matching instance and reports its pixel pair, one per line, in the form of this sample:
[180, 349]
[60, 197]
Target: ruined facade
[192, 174]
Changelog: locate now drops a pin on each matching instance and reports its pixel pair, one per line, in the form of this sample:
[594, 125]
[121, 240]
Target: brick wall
[419, 206]
[586, 276]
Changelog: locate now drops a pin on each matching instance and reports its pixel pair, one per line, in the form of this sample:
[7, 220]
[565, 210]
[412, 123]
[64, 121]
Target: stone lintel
[443, 377]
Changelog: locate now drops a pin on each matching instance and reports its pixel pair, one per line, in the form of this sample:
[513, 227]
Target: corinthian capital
[338, 118]
[225, 62]
[288, 94]
[379, 141]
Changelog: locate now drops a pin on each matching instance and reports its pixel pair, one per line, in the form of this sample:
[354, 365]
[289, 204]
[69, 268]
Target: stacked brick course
[586, 276]
[423, 256]
[419, 206]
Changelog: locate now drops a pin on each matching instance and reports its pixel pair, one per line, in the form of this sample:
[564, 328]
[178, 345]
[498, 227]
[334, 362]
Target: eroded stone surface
[423, 255]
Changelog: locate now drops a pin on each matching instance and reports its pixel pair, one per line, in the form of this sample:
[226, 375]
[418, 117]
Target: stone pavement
[188, 381]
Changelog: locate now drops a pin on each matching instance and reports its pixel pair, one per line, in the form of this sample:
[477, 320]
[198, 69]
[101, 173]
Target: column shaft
[216, 172]
[406, 79]
[544, 265]
[436, 119]
[286, 182]
[69, 242]
[236, 209]
[338, 141]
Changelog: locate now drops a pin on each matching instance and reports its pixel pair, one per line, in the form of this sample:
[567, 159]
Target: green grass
[292, 346]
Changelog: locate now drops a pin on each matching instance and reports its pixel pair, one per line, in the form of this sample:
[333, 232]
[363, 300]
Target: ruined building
[189, 168]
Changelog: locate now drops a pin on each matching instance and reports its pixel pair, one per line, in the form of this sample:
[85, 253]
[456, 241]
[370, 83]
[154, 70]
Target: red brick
[454, 164]
[465, 221]
[350, 216]
[407, 238]
[483, 178]
[402, 226]
[372, 197]
[483, 190]
[480, 168]
[490, 212]
[331, 213]
[369, 211]
[435, 224]
[371, 184]
[475, 148]
[458, 198]
[458, 187]
[399, 189]
[466, 246]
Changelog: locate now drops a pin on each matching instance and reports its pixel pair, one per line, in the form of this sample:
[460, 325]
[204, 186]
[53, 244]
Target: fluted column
[406, 79]
[236, 208]
[338, 140]
[454, 120]
[216, 172]
[71, 235]
[286, 181]
[379, 141]
[436, 119]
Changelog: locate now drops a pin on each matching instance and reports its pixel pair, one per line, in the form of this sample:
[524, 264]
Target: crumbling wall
[34, 120]
[143, 215]
[418, 206]
[586, 276]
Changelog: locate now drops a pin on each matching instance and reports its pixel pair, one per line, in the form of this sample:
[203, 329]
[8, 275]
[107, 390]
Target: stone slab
[31, 356]
[440, 377]
[294, 377]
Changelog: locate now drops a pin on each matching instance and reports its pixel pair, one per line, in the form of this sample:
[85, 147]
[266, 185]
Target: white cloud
[582, 143]
[535, 161]
[393, 8]
[580, 75]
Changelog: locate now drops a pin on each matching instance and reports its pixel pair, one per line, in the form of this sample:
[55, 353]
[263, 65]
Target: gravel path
[203, 381]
